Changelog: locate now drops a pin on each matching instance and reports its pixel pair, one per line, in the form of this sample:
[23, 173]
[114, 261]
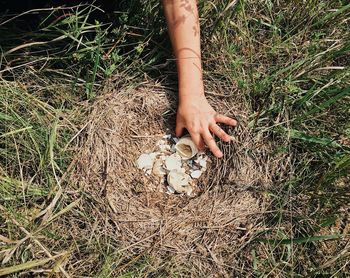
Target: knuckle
[220, 131]
[218, 128]
[211, 139]
[212, 122]
[193, 129]
[201, 130]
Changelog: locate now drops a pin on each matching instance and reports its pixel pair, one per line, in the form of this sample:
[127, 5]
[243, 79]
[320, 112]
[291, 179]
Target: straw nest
[205, 234]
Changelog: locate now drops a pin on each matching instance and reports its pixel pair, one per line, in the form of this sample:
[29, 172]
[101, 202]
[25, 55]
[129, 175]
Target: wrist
[191, 82]
[191, 85]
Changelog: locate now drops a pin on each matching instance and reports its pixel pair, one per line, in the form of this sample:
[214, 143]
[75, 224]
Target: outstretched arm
[194, 112]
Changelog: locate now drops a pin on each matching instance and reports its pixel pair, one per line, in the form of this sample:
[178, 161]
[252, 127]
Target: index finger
[225, 120]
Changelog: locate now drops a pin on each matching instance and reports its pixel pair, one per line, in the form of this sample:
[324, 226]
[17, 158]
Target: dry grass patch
[205, 233]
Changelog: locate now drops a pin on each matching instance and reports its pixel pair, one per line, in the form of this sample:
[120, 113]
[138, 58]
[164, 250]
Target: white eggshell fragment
[145, 161]
[182, 170]
[173, 162]
[167, 136]
[186, 148]
[202, 161]
[154, 155]
[148, 172]
[179, 181]
[164, 148]
[196, 174]
[171, 190]
[189, 191]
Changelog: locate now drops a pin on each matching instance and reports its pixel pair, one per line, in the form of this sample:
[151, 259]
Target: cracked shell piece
[186, 148]
[170, 190]
[167, 136]
[179, 181]
[196, 174]
[145, 161]
[202, 161]
[163, 146]
[173, 162]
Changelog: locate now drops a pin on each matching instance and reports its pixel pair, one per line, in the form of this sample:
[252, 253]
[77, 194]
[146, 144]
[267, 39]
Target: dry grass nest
[204, 234]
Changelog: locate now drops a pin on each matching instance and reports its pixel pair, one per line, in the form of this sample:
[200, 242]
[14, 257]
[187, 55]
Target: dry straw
[203, 233]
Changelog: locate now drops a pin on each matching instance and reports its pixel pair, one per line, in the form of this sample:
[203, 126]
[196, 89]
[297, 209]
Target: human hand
[200, 119]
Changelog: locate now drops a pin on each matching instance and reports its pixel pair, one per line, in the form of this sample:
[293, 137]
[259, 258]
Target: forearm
[184, 31]
[194, 112]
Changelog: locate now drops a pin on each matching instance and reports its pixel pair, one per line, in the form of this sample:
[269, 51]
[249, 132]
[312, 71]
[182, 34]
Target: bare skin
[194, 112]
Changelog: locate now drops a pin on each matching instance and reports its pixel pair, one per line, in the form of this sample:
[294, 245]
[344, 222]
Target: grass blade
[25, 266]
[299, 240]
[295, 134]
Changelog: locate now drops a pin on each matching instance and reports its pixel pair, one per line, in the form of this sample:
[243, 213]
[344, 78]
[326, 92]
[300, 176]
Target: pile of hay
[204, 233]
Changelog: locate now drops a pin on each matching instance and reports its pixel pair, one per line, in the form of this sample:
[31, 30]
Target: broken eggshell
[173, 162]
[201, 161]
[196, 174]
[170, 189]
[145, 161]
[186, 148]
[179, 181]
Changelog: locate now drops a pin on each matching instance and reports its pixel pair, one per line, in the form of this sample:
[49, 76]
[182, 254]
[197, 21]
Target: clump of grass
[39, 111]
[47, 75]
[292, 63]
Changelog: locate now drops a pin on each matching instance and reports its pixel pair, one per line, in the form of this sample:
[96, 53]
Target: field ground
[79, 88]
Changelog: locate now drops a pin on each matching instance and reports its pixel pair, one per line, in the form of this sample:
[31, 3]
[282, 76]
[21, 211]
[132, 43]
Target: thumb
[179, 129]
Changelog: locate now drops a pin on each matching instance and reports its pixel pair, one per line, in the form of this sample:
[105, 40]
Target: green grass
[290, 61]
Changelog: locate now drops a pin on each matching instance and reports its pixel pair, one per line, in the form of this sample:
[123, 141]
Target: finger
[209, 140]
[201, 145]
[225, 120]
[179, 129]
[197, 140]
[219, 132]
